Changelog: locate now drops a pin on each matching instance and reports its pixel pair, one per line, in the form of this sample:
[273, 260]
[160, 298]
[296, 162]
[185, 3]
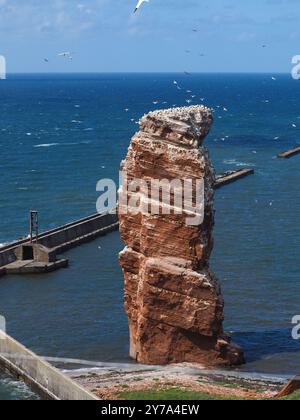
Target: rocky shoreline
[114, 381]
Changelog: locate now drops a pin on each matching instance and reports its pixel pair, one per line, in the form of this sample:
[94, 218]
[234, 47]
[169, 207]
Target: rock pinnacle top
[186, 125]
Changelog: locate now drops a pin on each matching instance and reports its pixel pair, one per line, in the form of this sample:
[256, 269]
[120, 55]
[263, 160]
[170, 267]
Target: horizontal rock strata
[173, 300]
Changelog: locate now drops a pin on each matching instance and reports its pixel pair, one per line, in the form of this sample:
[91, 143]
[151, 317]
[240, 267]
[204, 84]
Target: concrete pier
[33, 267]
[23, 257]
[289, 153]
[229, 177]
[63, 238]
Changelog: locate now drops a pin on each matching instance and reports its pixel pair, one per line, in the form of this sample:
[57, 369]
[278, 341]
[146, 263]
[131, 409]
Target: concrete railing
[43, 378]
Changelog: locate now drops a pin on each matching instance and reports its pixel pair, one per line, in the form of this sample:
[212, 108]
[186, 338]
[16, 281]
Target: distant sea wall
[79, 232]
[67, 236]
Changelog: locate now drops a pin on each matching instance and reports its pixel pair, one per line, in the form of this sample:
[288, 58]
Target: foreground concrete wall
[45, 379]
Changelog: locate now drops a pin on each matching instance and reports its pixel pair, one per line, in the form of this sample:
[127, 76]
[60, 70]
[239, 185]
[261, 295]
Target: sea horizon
[153, 72]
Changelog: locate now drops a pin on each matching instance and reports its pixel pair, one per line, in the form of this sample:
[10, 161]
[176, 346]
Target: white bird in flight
[67, 54]
[139, 3]
[176, 84]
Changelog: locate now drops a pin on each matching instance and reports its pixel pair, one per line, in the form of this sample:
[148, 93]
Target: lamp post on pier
[34, 226]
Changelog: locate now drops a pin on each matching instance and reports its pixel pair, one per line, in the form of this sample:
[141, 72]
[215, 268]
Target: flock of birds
[67, 55]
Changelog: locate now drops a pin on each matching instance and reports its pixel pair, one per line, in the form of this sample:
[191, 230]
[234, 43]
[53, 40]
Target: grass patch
[293, 397]
[221, 384]
[171, 394]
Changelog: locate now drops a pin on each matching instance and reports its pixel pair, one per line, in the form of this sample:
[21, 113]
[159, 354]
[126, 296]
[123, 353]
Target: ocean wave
[61, 144]
[237, 163]
[16, 389]
[46, 145]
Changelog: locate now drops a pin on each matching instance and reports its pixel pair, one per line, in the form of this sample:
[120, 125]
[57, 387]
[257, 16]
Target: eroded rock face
[173, 300]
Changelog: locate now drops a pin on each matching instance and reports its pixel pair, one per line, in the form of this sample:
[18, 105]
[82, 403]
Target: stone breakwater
[172, 299]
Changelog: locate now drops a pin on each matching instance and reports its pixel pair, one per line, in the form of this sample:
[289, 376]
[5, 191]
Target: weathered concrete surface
[7, 256]
[34, 258]
[43, 378]
[173, 300]
[34, 267]
[36, 252]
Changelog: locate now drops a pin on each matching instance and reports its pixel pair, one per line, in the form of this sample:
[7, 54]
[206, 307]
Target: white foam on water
[46, 145]
[61, 144]
[237, 163]
[15, 390]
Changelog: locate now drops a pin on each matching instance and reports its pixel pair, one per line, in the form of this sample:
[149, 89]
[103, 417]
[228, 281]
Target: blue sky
[105, 36]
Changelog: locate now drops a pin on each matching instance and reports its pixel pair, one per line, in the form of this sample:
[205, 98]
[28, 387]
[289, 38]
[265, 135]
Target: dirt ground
[108, 383]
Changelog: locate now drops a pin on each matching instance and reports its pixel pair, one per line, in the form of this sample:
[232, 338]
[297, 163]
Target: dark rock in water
[173, 300]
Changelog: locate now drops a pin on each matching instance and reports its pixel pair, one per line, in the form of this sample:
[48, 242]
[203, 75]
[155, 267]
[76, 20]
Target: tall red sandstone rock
[173, 300]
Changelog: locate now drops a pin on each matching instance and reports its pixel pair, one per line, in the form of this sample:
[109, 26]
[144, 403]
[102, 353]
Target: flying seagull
[139, 3]
[176, 84]
[67, 54]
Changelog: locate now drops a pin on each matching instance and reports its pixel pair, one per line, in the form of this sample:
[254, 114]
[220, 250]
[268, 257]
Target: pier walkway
[290, 153]
[229, 177]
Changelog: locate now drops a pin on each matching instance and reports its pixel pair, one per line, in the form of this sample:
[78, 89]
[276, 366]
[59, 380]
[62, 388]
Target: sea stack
[172, 299]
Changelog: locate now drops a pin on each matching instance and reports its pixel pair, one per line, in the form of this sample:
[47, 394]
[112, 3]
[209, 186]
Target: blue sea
[60, 134]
